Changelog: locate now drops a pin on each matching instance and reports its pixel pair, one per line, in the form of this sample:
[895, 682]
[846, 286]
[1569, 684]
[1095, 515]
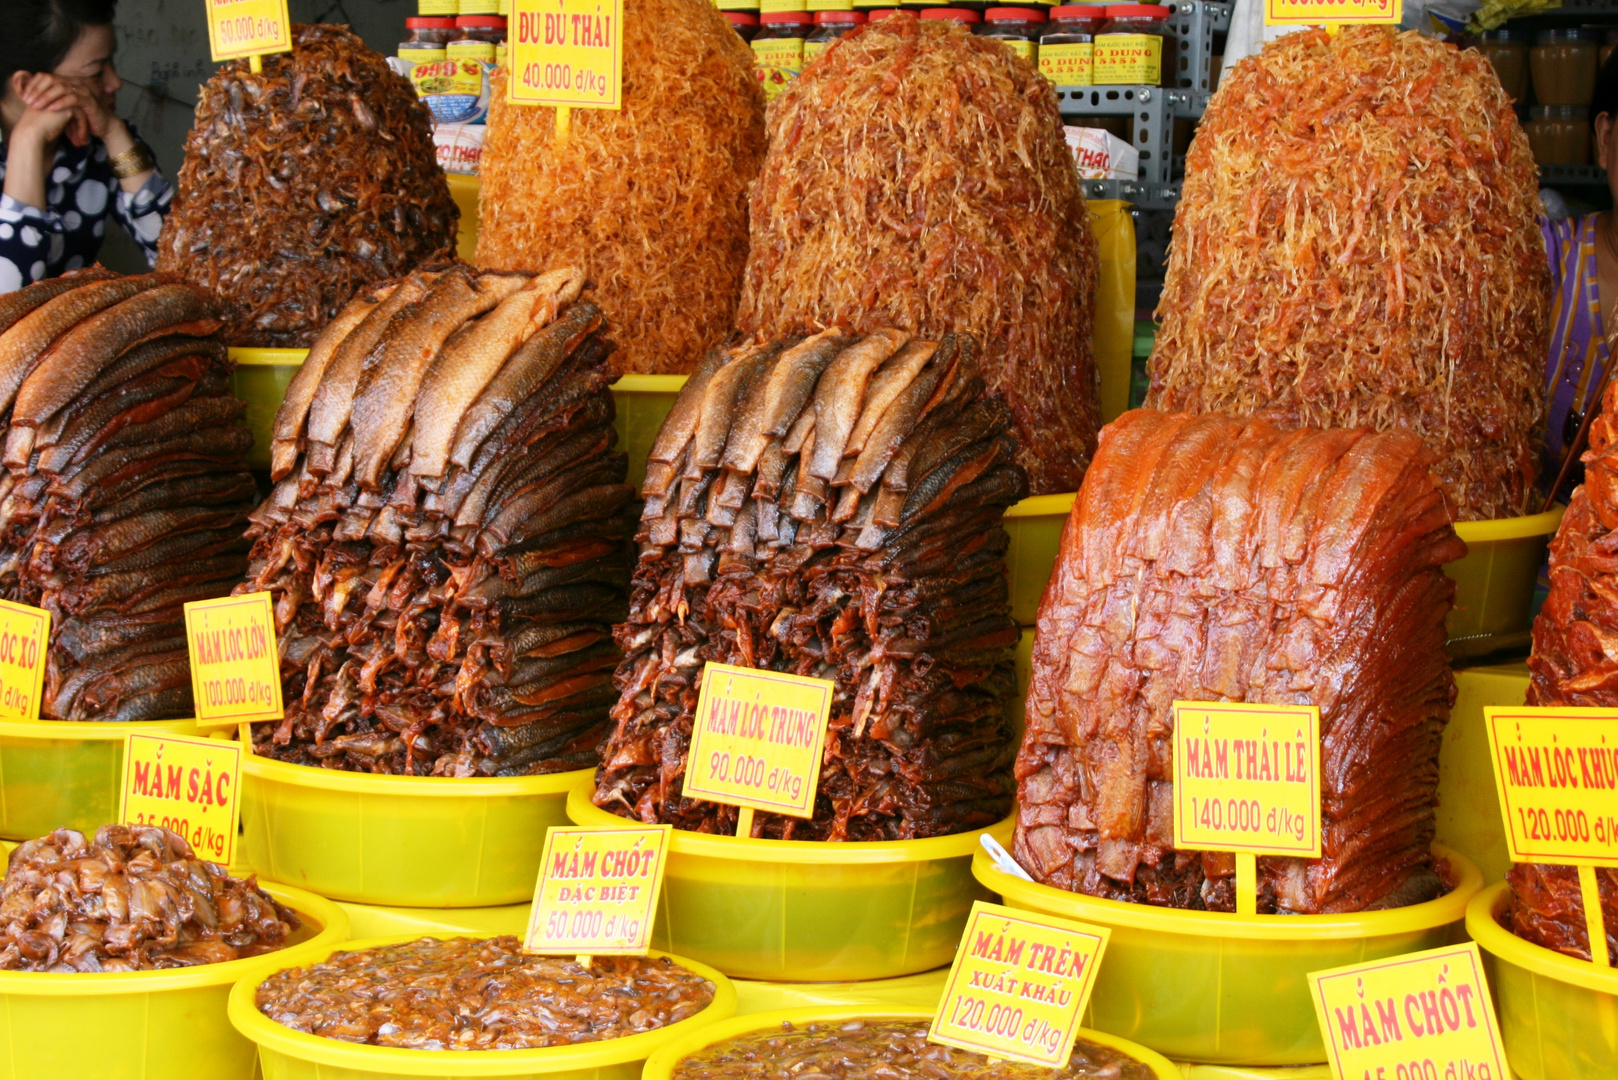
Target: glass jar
[960, 15]
[829, 26]
[476, 37]
[878, 14]
[745, 22]
[1067, 47]
[1133, 47]
[479, 7]
[1507, 52]
[1564, 64]
[1018, 27]
[1559, 134]
[426, 41]
[778, 48]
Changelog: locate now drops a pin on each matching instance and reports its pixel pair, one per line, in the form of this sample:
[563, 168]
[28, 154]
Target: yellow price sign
[1421, 1016]
[1556, 772]
[598, 890]
[1247, 778]
[757, 739]
[235, 668]
[238, 28]
[25, 634]
[1332, 13]
[566, 53]
[1019, 985]
[188, 786]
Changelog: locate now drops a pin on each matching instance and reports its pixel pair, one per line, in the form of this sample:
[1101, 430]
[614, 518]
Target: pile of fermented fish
[447, 541]
[1212, 559]
[304, 182]
[134, 899]
[829, 506]
[124, 496]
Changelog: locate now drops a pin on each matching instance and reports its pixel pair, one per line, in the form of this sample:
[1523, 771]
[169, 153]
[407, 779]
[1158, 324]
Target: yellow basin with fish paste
[287, 1054]
[147, 1025]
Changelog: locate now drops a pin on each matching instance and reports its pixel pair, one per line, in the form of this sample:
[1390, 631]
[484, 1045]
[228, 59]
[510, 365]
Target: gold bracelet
[132, 162]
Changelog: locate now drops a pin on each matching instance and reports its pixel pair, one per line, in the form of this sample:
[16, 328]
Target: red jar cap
[1138, 11]
[742, 18]
[1079, 11]
[479, 22]
[796, 18]
[851, 18]
[429, 22]
[1014, 14]
[958, 14]
[879, 14]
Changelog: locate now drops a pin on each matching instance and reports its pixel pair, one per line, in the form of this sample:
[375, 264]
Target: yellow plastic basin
[1230, 989]
[285, 1054]
[1558, 1016]
[373, 920]
[406, 841]
[146, 1025]
[1494, 584]
[58, 774]
[1035, 527]
[261, 379]
[641, 402]
[918, 991]
[464, 190]
[1469, 818]
[800, 911]
[661, 1064]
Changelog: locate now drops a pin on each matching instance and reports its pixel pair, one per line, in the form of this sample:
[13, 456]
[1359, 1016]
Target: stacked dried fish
[303, 183]
[447, 541]
[125, 495]
[830, 506]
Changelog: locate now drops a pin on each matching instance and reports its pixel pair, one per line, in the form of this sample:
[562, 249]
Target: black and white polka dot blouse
[66, 235]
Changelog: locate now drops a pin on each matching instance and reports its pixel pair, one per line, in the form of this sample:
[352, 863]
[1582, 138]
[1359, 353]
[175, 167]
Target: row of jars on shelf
[1560, 66]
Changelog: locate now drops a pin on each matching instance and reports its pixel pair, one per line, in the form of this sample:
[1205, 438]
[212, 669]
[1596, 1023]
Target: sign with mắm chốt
[757, 738]
[597, 891]
[235, 667]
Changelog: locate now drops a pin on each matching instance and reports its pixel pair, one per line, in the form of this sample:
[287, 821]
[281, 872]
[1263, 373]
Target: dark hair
[1606, 96]
[39, 33]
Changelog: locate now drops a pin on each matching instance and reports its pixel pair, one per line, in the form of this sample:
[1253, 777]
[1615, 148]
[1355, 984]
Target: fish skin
[394, 370]
[221, 444]
[533, 500]
[189, 415]
[795, 378]
[681, 422]
[719, 404]
[289, 418]
[595, 502]
[460, 374]
[564, 448]
[25, 342]
[898, 424]
[109, 542]
[887, 384]
[748, 437]
[14, 305]
[151, 355]
[839, 395]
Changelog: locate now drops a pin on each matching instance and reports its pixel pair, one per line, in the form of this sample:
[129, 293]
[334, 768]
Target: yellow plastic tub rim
[358, 1059]
[1483, 926]
[1044, 506]
[1513, 528]
[660, 1066]
[650, 384]
[341, 780]
[246, 357]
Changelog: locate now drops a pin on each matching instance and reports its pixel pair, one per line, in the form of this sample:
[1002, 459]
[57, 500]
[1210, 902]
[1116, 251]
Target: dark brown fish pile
[1212, 559]
[480, 994]
[448, 539]
[134, 899]
[830, 506]
[124, 495]
[303, 183]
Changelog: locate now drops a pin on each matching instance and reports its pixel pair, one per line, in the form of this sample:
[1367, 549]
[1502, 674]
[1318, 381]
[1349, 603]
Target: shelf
[1572, 176]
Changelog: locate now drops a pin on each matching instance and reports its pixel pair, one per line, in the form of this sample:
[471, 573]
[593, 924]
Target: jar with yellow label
[1132, 47]
[767, 7]
[829, 26]
[1067, 47]
[778, 48]
[1018, 27]
[438, 9]
[744, 22]
[426, 41]
[476, 36]
[478, 7]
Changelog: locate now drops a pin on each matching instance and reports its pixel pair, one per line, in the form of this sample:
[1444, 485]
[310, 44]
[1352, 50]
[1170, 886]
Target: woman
[66, 159]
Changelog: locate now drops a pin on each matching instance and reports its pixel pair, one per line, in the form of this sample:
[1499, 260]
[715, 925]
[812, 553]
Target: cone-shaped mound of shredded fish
[304, 182]
[918, 178]
[650, 200]
[1356, 246]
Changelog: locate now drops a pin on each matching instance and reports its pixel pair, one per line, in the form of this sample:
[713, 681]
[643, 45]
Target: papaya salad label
[188, 786]
[598, 890]
[1421, 1016]
[238, 28]
[1019, 985]
[1331, 12]
[24, 634]
[235, 668]
[567, 53]
[1247, 778]
[1556, 772]
[757, 739]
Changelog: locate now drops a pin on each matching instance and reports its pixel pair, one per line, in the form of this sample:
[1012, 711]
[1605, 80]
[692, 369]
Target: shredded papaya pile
[1356, 246]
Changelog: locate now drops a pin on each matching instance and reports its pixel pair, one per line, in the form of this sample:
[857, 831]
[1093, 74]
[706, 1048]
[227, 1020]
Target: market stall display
[918, 177]
[447, 540]
[303, 183]
[1319, 278]
[125, 495]
[829, 506]
[651, 199]
[1260, 566]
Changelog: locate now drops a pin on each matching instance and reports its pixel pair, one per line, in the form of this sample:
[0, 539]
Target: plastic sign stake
[1019, 985]
[235, 667]
[757, 740]
[187, 785]
[1332, 14]
[24, 633]
[597, 891]
[1556, 772]
[566, 54]
[1424, 1014]
[1247, 780]
[250, 28]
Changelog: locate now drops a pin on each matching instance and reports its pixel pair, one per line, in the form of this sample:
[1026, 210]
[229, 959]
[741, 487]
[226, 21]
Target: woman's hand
[58, 105]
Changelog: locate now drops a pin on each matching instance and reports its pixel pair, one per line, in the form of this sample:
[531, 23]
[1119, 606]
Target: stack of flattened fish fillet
[1212, 559]
[448, 539]
[124, 496]
[830, 506]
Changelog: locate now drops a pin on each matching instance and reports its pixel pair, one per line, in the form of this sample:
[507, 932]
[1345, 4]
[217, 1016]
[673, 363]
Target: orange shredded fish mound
[1356, 246]
[918, 177]
[651, 199]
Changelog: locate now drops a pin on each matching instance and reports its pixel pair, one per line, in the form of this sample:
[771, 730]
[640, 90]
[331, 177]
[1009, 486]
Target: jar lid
[479, 22]
[1560, 112]
[849, 17]
[879, 14]
[1565, 33]
[1138, 11]
[429, 22]
[958, 14]
[1501, 34]
[742, 18]
[1014, 14]
[794, 18]
[1079, 11]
